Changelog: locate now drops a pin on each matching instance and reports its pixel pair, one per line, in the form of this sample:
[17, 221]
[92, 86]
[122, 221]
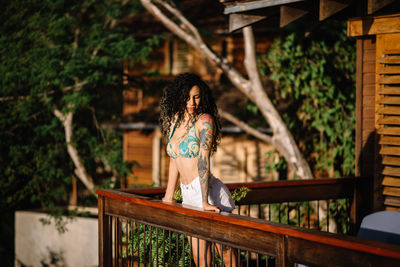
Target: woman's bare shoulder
[205, 121]
[206, 118]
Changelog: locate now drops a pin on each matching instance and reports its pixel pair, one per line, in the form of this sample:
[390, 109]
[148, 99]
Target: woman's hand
[168, 200]
[208, 207]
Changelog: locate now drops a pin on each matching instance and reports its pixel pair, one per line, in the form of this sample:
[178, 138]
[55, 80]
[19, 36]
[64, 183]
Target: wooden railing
[136, 228]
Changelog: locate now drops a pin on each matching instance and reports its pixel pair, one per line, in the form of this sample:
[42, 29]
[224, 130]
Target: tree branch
[80, 171]
[233, 74]
[247, 128]
[77, 87]
[182, 18]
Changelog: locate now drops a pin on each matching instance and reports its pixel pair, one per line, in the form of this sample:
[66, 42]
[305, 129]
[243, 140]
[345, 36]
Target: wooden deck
[127, 217]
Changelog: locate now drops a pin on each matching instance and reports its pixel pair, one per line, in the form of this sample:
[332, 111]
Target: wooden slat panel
[388, 160]
[389, 90]
[373, 25]
[391, 191]
[392, 208]
[368, 113]
[391, 51]
[389, 60]
[369, 78]
[368, 101]
[389, 110]
[369, 56]
[389, 70]
[390, 140]
[392, 201]
[390, 100]
[391, 181]
[389, 80]
[393, 171]
[390, 120]
[369, 66]
[390, 150]
[390, 163]
[389, 130]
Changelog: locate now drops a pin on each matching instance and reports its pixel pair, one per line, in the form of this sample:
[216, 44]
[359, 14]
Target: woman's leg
[229, 255]
[200, 252]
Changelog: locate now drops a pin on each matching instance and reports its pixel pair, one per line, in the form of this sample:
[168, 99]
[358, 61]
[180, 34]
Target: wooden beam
[289, 14]
[328, 8]
[373, 25]
[252, 5]
[238, 21]
[375, 5]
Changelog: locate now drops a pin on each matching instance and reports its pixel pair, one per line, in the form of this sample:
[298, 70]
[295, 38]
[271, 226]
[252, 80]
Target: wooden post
[104, 235]
[360, 206]
[282, 259]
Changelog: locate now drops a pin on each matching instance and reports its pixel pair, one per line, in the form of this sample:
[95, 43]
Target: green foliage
[275, 162]
[315, 79]
[46, 47]
[178, 195]
[146, 243]
[240, 193]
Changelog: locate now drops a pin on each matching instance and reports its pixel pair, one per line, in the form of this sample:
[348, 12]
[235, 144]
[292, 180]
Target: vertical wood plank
[359, 103]
[282, 259]
[104, 235]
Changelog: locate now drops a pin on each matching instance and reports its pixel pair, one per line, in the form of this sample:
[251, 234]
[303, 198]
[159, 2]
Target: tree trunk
[281, 139]
[80, 170]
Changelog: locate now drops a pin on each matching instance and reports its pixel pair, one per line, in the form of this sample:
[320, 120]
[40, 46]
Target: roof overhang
[244, 12]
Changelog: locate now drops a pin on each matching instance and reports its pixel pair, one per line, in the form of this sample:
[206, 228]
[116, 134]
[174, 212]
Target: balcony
[276, 224]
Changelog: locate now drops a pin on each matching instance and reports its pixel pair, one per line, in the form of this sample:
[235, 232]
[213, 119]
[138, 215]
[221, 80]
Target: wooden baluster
[144, 244]
[157, 246]
[327, 215]
[105, 235]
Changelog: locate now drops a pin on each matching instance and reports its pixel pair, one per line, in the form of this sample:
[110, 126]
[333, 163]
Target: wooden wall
[387, 118]
[378, 106]
[366, 144]
[243, 159]
[138, 147]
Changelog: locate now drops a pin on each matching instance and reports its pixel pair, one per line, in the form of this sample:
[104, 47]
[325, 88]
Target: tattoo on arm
[206, 137]
[204, 173]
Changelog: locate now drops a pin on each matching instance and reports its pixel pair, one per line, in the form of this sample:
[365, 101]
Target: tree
[61, 76]
[171, 17]
[315, 82]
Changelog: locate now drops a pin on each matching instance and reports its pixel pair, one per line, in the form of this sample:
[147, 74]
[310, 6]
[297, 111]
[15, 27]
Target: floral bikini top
[188, 147]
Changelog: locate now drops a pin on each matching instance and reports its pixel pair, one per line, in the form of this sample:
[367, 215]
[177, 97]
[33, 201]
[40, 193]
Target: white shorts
[218, 194]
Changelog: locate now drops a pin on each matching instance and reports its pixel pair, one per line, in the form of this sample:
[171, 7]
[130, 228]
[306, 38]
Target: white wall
[38, 245]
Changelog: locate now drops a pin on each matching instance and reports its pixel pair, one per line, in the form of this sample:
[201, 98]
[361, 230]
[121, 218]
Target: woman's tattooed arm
[206, 138]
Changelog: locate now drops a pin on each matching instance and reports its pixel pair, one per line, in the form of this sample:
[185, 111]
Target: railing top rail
[347, 242]
[261, 185]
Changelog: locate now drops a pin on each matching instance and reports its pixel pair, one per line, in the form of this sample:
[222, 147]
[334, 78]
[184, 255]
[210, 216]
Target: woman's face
[194, 100]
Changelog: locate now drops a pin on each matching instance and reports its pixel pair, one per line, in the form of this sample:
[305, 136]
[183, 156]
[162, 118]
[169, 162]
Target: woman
[189, 120]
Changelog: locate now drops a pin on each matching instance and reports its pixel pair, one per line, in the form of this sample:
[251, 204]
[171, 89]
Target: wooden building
[376, 25]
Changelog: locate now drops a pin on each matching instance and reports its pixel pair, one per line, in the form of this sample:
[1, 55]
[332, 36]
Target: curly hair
[173, 104]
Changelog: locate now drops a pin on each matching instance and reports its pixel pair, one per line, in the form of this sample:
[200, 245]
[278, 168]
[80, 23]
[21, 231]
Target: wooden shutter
[388, 122]
[182, 58]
